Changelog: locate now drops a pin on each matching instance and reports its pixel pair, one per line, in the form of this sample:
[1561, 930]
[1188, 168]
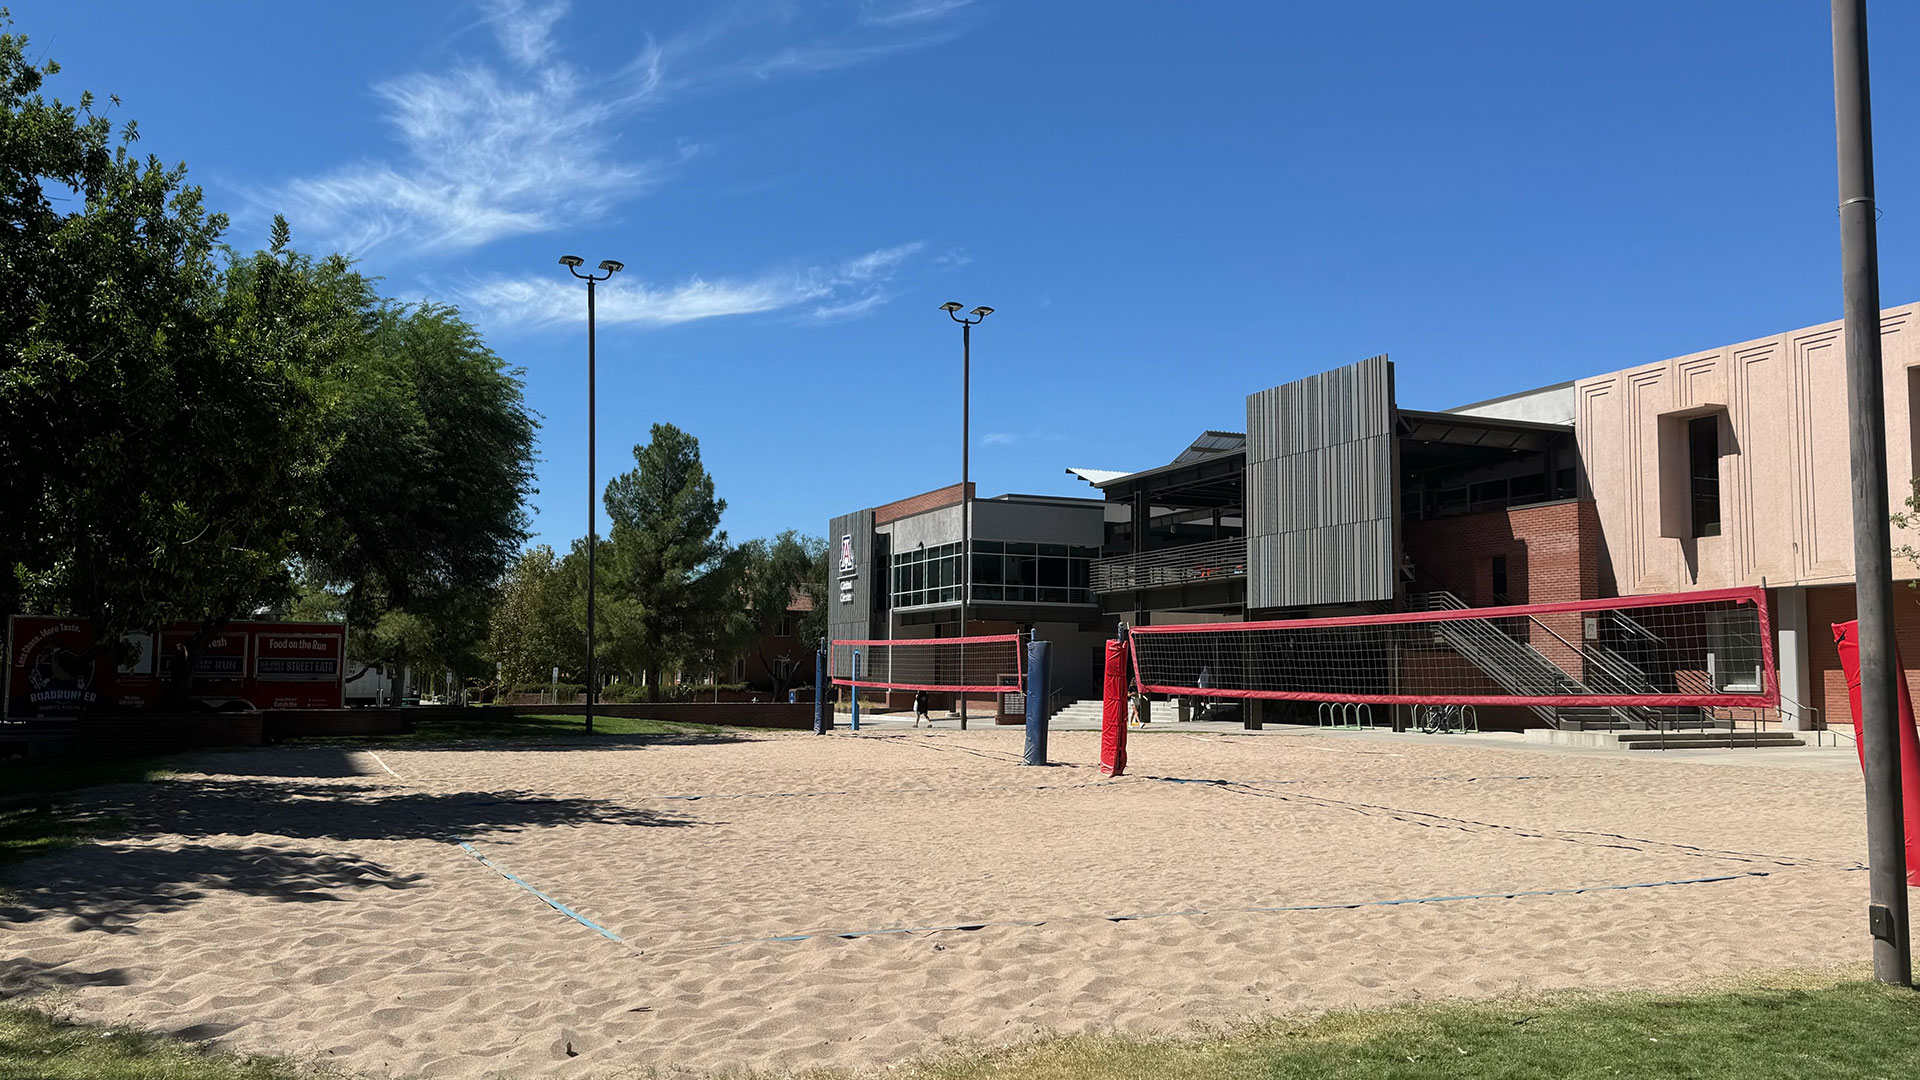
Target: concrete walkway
[1829, 756]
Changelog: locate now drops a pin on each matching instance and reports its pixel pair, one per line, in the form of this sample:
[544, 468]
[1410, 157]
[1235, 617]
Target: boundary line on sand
[1574, 890]
[544, 898]
[384, 765]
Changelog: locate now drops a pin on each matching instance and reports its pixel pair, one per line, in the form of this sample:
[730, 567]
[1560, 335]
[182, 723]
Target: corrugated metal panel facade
[1320, 513]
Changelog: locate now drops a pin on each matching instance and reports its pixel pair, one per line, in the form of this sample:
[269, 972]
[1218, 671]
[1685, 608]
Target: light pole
[967, 323]
[573, 263]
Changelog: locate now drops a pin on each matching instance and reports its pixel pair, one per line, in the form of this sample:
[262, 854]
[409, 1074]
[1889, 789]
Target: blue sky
[1169, 205]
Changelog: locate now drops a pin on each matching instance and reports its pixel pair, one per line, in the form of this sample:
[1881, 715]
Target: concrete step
[1674, 740]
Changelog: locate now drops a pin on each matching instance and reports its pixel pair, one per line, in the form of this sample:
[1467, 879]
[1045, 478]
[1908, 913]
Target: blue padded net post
[1039, 663]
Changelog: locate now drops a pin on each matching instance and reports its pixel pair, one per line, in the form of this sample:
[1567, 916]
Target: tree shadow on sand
[275, 834]
[109, 887]
[22, 976]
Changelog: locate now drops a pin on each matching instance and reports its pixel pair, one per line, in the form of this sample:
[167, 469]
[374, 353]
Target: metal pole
[1887, 917]
[592, 510]
[966, 502]
[819, 691]
[853, 692]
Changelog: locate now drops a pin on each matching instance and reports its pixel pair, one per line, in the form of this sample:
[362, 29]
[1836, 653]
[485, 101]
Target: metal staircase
[1523, 670]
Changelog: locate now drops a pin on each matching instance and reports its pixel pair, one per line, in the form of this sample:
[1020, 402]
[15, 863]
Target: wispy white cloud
[895, 12]
[526, 31]
[999, 438]
[843, 290]
[489, 151]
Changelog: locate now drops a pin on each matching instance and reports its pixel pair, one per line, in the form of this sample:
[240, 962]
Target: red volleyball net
[1706, 649]
[988, 664]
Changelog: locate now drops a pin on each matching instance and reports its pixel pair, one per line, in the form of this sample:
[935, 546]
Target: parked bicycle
[1446, 719]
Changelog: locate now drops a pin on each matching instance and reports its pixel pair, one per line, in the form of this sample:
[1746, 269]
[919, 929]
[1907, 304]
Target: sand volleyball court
[384, 913]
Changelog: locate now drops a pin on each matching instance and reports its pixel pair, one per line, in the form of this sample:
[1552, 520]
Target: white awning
[1096, 477]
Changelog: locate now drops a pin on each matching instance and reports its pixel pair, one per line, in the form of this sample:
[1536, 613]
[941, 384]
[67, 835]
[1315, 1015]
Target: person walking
[920, 708]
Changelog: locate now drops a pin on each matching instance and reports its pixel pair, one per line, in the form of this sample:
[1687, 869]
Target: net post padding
[982, 664]
[1667, 650]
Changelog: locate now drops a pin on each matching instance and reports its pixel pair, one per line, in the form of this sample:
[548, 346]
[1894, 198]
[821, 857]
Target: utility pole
[1887, 918]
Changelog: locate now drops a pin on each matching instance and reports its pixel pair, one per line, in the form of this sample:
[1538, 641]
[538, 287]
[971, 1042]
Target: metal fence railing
[1183, 565]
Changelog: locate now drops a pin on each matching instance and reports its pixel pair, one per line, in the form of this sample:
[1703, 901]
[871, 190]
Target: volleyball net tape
[988, 664]
[1710, 648]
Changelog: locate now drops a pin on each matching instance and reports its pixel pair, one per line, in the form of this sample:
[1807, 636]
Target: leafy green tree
[425, 489]
[532, 629]
[165, 416]
[669, 556]
[772, 574]
[191, 435]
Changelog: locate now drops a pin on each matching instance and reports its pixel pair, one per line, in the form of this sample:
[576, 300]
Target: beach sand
[316, 903]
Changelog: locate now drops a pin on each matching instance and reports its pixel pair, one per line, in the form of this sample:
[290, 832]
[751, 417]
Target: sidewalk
[1796, 757]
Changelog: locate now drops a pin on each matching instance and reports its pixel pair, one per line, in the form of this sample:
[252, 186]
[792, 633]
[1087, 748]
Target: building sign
[55, 668]
[849, 570]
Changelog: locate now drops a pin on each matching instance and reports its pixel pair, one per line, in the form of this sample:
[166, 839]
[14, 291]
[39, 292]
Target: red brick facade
[1827, 685]
[920, 504]
[1552, 553]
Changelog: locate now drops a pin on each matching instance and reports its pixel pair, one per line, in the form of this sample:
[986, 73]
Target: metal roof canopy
[1216, 480]
[1493, 433]
[1430, 440]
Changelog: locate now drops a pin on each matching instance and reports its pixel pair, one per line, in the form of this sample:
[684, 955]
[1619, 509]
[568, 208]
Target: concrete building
[1731, 467]
[1713, 469]
[897, 574]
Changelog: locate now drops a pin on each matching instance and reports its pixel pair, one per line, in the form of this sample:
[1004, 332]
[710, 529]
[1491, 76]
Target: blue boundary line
[850, 934]
[544, 898]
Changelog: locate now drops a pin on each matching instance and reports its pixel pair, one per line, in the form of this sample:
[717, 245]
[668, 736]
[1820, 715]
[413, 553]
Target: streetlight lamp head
[950, 306]
[571, 261]
[983, 312]
[612, 266]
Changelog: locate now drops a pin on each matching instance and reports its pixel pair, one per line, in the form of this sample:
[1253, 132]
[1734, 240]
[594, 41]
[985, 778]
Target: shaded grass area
[488, 724]
[33, 1044]
[1845, 1030]
[34, 822]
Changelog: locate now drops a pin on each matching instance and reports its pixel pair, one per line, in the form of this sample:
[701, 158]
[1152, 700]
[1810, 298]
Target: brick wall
[1552, 552]
[1828, 684]
[278, 725]
[139, 735]
[920, 504]
[732, 714]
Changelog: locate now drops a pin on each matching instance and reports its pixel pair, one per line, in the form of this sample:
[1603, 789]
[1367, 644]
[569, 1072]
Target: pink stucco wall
[1784, 470]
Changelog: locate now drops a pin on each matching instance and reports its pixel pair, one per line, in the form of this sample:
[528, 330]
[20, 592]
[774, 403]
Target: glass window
[1053, 549]
[993, 547]
[1053, 573]
[1023, 570]
[1734, 656]
[1703, 456]
[987, 569]
[1020, 548]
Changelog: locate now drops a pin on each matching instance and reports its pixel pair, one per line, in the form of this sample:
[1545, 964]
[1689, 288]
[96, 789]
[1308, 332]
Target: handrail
[1170, 566]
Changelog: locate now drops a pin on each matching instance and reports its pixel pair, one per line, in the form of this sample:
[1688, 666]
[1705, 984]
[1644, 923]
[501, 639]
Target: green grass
[33, 821]
[487, 724]
[34, 1045]
[1843, 1030]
